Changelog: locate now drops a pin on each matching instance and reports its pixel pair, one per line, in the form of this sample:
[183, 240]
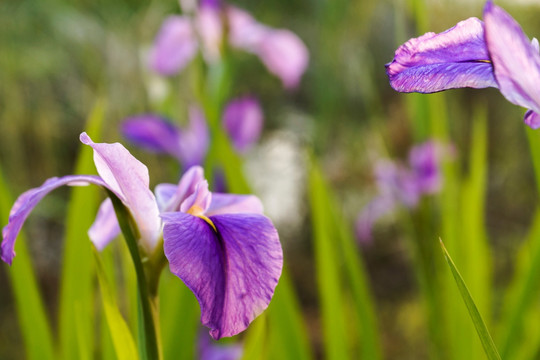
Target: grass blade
[124, 344]
[480, 326]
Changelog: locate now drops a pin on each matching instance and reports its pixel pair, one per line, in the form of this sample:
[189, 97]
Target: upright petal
[174, 47]
[515, 59]
[199, 201]
[105, 228]
[154, 133]
[26, 203]
[234, 204]
[424, 160]
[210, 27]
[243, 119]
[128, 177]
[172, 196]
[455, 58]
[233, 273]
[194, 139]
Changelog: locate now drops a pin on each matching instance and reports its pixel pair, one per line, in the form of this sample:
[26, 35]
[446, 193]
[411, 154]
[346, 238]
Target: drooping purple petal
[194, 139]
[515, 59]
[26, 203]
[233, 273]
[105, 228]
[129, 178]
[154, 133]
[455, 58]
[234, 204]
[243, 119]
[532, 119]
[174, 47]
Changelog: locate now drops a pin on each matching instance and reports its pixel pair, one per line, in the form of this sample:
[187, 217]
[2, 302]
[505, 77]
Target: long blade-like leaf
[124, 344]
[480, 326]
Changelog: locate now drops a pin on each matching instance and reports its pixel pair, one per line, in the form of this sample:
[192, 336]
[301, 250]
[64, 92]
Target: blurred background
[59, 58]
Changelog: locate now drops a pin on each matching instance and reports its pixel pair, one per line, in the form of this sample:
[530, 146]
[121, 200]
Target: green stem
[148, 300]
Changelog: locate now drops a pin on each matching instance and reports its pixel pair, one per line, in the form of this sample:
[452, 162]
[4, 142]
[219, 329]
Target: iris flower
[220, 245]
[180, 37]
[242, 119]
[494, 53]
[401, 185]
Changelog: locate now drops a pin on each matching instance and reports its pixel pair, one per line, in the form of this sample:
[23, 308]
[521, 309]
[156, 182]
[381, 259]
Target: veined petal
[26, 203]
[532, 119]
[154, 133]
[128, 177]
[233, 273]
[105, 228]
[515, 59]
[455, 58]
[233, 204]
[174, 47]
[243, 119]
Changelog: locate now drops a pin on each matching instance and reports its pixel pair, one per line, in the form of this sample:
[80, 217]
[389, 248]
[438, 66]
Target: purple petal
[233, 273]
[424, 160]
[153, 132]
[515, 59]
[171, 200]
[234, 204]
[199, 200]
[281, 51]
[174, 47]
[433, 62]
[376, 209]
[243, 120]
[26, 203]
[532, 119]
[129, 178]
[209, 350]
[396, 182]
[194, 139]
[210, 29]
[105, 228]
[285, 56]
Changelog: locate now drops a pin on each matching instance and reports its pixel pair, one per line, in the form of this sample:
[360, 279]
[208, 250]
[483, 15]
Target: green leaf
[76, 309]
[33, 321]
[327, 266]
[255, 342]
[480, 326]
[124, 344]
[148, 320]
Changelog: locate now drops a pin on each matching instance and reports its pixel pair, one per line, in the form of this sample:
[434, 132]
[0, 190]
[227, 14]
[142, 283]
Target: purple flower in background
[155, 133]
[400, 185]
[177, 42]
[209, 350]
[474, 54]
[220, 245]
[242, 119]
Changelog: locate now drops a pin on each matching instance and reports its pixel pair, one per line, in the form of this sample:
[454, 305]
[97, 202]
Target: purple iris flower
[220, 245]
[401, 185]
[208, 350]
[476, 54]
[242, 119]
[281, 51]
[157, 134]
